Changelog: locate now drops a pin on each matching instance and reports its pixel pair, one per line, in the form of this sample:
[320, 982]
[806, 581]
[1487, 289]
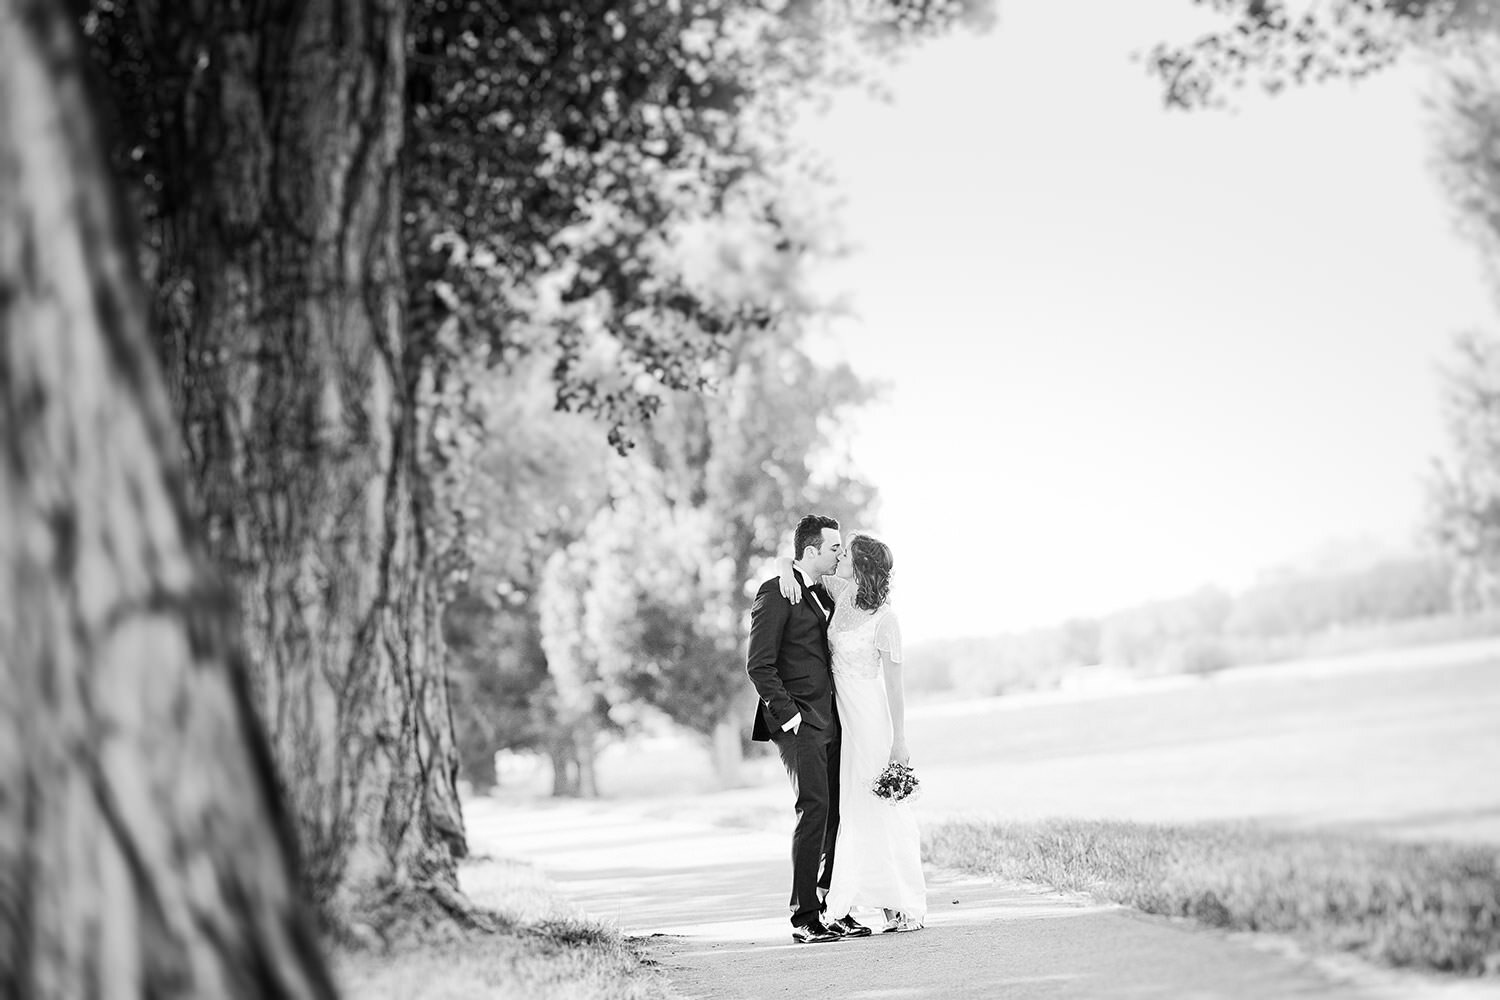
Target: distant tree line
[1286, 615]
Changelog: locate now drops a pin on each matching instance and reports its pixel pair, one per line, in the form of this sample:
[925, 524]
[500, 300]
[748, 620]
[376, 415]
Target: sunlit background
[1138, 362]
[1132, 351]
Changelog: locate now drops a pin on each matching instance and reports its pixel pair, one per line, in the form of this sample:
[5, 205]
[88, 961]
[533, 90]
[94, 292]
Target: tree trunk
[144, 850]
[297, 392]
[728, 752]
[587, 778]
[585, 742]
[564, 775]
[477, 767]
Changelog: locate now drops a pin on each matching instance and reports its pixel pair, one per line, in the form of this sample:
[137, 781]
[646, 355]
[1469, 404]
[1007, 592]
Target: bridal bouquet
[896, 783]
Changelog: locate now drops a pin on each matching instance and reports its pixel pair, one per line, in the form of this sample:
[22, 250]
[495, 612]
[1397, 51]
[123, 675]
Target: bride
[878, 847]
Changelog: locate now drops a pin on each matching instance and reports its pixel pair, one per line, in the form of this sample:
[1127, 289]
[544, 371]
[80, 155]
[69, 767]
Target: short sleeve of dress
[836, 585]
[888, 635]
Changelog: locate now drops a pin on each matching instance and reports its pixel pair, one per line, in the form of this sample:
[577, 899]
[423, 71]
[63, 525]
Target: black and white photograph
[749, 499]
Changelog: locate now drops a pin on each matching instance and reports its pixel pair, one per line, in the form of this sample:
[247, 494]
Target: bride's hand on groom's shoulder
[791, 587]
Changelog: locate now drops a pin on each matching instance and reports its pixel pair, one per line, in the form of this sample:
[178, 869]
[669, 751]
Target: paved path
[711, 901]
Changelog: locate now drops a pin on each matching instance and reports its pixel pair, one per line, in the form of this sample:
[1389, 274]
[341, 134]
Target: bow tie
[820, 598]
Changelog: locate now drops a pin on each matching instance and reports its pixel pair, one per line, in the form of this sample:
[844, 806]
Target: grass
[544, 949]
[1426, 907]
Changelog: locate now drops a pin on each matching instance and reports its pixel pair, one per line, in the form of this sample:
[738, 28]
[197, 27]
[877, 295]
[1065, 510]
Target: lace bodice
[857, 637]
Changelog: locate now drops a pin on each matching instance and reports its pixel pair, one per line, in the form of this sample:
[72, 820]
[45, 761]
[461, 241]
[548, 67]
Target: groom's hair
[810, 532]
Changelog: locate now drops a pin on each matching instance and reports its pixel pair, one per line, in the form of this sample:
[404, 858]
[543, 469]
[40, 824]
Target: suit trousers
[811, 758]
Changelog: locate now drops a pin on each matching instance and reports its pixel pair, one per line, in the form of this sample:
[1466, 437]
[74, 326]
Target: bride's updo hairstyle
[872, 562]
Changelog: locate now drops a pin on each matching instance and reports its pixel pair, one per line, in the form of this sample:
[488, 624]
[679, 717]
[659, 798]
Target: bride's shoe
[897, 922]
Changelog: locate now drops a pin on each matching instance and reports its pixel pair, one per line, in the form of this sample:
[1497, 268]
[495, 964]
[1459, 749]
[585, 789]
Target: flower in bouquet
[897, 783]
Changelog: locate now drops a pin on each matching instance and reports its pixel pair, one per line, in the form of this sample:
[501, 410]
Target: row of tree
[239, 493]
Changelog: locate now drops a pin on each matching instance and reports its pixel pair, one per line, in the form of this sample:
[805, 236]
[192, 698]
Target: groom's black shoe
[847, 926]
[813, 932]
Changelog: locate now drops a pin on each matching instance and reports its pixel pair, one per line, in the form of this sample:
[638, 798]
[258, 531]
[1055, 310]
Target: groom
[788, 664]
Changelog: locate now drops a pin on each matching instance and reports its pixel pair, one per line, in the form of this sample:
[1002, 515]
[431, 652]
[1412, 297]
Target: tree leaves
[1265, 43]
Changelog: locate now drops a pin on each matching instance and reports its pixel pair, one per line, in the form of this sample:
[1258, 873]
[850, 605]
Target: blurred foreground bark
[144, 851]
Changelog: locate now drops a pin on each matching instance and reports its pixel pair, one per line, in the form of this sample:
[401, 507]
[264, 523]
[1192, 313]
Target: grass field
[1427, 907]
[1404, 745]
[544, 950]
[1409, 752]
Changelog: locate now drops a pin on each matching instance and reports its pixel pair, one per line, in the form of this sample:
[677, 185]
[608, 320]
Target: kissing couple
[825, 659]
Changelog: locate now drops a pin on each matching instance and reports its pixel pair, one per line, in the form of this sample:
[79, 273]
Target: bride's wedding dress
[878, 857]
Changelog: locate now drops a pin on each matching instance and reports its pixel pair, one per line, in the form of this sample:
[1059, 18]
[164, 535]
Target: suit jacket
[788, 661]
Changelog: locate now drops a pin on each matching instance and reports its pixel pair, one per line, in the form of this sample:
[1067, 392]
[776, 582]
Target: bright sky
[1132, 351]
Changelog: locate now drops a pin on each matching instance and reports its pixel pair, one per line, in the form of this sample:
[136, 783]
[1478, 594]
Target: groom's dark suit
[788, 664]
